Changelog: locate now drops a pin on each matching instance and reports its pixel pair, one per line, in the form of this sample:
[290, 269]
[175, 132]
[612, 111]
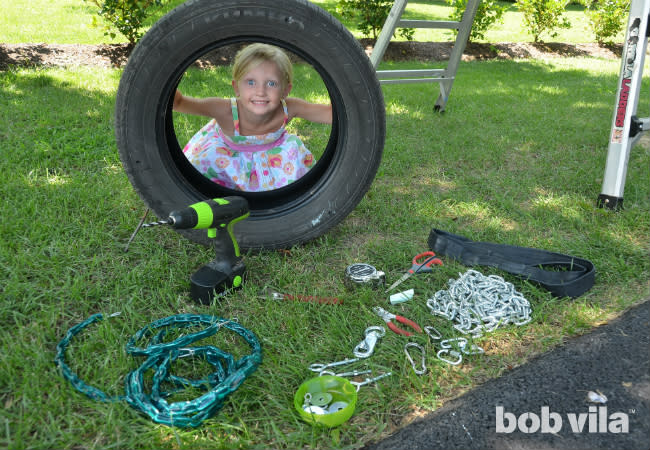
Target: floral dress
[248, 163]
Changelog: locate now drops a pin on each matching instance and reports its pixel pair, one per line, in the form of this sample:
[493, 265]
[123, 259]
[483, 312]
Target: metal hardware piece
[319, 367]
[366, 347]
[358, 384]
[318, 399]
[445, 351]
[337, 406]
[313, 409]
[448, 343]
[362, 274]
[353, 373]
[433, 334]
[463, 345]
[423, 369]
[473, 349]
[480, 304]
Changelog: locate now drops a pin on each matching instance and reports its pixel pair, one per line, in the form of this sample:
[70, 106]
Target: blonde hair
[252, 55]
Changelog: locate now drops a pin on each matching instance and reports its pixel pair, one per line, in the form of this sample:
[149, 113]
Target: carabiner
[447, 343]
[417, 371]
[452, 353]
[472, 349]
[433, 334]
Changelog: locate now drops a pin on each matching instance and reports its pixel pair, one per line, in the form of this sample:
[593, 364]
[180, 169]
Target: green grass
[71, 22]
[515, 159]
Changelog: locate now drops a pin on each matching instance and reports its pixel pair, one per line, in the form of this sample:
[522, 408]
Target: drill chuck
[213, 213]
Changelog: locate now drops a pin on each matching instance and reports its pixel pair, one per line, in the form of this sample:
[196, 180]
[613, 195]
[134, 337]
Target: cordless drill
[218, 216]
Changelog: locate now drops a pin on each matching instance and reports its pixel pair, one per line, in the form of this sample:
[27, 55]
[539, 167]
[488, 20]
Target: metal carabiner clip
[434, 334]
[417, 371]
[452, 353]
[366, 347]
[448, 343]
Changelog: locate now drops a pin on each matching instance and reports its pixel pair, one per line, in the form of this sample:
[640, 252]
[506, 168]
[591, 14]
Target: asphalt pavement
[544, 403]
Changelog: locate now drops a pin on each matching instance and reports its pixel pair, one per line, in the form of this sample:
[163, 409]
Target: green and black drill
[218, 216]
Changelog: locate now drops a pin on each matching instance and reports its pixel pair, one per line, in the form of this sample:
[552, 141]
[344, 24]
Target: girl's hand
[314, 112]
[217, 108]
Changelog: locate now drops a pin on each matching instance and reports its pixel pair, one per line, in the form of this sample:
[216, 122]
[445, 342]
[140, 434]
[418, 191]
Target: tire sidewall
[161, 57]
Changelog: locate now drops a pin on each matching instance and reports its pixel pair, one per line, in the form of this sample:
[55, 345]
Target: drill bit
[145, 225]
[126, 249]
[160, 222]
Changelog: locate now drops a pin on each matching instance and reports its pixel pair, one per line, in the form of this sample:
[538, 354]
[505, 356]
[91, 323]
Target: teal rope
[228, 373]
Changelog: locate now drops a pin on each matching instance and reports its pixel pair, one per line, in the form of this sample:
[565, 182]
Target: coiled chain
[480, 304]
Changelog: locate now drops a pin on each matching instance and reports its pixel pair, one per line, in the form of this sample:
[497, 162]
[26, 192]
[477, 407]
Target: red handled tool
[388, 317]
[421, 264]
[272, 294]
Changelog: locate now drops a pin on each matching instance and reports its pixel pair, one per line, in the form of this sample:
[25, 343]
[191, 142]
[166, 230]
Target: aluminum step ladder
[627, 128]
[445, 77]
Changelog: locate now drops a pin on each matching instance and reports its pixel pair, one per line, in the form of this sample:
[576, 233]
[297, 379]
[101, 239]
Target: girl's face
[260, 90]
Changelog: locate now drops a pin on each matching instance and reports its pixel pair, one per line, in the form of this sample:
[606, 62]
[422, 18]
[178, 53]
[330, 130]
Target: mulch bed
[116, 55]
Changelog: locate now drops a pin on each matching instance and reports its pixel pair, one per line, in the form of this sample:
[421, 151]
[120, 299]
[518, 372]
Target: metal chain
[480, 304]
[228, 376]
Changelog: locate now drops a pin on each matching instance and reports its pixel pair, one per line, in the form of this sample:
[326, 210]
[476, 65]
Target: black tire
[303, 210]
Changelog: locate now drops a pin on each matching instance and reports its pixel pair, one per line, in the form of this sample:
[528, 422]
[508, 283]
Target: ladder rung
[443, 76]
[414, 80]
[428, 24]
[383, 74]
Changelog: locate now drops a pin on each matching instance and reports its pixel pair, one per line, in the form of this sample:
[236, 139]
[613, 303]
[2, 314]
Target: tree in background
[544, 16]
[371, 15]
[488, 13]
[127, 16]
[607, 18]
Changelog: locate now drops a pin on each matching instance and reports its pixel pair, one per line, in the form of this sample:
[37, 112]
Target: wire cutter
[388, 317]
[421, 264]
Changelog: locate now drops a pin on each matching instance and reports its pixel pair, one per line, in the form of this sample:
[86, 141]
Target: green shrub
[371, 15]
[488, 13]
[127, 16]
[544, 16]
[606, 18]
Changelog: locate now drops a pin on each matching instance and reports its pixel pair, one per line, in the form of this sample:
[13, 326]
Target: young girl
[246, 146]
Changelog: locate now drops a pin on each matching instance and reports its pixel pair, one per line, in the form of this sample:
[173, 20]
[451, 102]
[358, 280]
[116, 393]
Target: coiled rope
[228, 373]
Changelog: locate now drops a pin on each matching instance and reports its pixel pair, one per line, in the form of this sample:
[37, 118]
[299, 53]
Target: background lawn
[517, 158]
[71, 22]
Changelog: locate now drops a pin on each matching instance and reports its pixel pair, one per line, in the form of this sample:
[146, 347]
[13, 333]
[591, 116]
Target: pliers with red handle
[388, 317]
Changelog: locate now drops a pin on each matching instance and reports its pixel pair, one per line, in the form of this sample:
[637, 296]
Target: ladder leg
[387, 32]
[626, 127]
[462, 37]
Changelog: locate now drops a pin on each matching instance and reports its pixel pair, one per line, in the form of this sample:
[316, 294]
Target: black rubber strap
[562, 275]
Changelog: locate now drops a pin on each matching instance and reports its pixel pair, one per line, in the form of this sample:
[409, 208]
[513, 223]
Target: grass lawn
[517, 158]
[26, 21]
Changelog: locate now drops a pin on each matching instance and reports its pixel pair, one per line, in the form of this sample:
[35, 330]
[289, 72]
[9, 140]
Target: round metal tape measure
[363, 274]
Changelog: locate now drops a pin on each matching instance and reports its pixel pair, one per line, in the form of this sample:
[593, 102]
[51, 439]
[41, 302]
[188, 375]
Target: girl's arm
[314, 112]
[210, 107]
